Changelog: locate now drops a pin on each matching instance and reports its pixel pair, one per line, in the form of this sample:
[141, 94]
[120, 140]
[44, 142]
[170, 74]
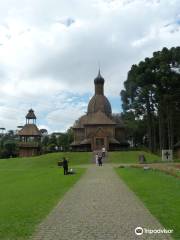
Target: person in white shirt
[103, 152]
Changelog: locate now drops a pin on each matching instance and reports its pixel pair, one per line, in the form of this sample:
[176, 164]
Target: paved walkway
[98, 207]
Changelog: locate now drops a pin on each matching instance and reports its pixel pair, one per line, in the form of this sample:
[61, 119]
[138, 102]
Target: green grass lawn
[30, 188]
[131, 157]
[48, 160]
[159, 192]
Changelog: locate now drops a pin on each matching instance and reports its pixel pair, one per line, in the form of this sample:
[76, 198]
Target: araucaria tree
[152, 93]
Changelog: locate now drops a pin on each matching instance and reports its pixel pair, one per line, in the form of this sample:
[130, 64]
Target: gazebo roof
[31, 114]
[29, 130]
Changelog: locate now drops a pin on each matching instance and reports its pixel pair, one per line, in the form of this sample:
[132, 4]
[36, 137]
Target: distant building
[30, 137]
[98, 128]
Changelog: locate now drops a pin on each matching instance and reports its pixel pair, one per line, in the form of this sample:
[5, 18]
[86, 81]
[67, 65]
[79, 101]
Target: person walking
[65, 166]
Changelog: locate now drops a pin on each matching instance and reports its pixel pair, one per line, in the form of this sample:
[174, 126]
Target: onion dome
[99, 102]
[99, 79]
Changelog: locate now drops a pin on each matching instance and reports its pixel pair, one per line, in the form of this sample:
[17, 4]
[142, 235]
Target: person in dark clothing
[100, 160]
[65, 166]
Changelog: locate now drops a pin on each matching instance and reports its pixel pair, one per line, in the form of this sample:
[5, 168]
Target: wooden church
[98, 128]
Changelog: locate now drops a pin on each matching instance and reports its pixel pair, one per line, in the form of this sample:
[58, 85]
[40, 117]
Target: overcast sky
[50, 51]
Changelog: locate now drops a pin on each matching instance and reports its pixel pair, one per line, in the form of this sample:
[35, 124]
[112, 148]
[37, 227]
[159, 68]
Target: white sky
[50, 51]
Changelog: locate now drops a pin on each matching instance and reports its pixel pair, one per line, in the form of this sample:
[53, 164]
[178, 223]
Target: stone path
[98, 207]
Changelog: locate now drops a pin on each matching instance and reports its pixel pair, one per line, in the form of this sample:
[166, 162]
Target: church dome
[99, 103]
[99, 79]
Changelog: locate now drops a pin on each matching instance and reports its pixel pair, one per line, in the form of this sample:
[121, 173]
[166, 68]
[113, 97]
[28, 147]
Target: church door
[99, 143]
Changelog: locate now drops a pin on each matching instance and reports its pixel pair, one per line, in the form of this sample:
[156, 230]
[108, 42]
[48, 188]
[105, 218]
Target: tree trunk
[149, 126]
[170, 126]
[162, 129]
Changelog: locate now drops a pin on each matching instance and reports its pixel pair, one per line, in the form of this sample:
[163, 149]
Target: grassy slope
[131, 157]
[159, 192]
[44, 161]
[29, 188]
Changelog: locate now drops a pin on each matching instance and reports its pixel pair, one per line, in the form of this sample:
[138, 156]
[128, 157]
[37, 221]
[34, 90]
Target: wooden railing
[29, 144]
